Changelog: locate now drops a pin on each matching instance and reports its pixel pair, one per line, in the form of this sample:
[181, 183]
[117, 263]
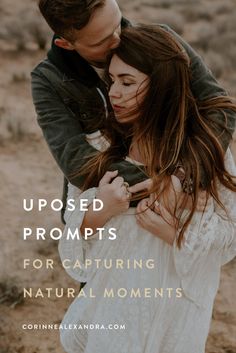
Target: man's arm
[205, 86]
[64, 134]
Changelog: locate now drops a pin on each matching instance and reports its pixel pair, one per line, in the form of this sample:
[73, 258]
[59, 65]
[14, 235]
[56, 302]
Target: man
[69, 96]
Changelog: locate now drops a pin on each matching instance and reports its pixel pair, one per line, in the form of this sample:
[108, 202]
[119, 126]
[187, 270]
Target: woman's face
[127, 89]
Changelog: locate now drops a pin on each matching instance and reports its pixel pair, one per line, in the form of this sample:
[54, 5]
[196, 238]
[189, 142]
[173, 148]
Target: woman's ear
[63, 43]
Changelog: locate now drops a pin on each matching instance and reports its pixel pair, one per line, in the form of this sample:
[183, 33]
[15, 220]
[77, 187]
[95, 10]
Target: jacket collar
[73, 65]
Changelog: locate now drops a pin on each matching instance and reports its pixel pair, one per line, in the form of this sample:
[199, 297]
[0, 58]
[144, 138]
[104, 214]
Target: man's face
[100, 35]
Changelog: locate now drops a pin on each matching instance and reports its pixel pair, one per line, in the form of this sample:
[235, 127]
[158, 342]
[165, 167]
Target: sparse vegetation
[19, 77]
[204, 33]
[15, 127]
[176, 22]
[194, 12]
[39, 32]
[27, 29]
[15, 35]
[12, 126]
[215, 62]
[10, 293]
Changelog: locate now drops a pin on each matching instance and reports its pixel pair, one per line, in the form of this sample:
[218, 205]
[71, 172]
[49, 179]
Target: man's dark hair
[65, 16]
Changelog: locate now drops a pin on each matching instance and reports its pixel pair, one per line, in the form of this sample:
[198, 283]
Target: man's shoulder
[45, 66]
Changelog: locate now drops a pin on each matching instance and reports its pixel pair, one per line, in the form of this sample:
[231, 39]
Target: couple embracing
[134, 118]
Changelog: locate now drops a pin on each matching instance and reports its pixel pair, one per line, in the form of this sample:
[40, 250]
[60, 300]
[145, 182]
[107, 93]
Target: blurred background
[27, 169]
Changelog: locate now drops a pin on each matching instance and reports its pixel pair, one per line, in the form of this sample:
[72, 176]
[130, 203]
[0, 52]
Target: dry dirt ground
[27, 170]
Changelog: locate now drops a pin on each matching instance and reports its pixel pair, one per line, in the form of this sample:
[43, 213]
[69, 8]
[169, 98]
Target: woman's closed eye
[127, 84]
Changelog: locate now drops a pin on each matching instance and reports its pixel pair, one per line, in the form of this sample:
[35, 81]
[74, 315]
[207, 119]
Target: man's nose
[115, 40]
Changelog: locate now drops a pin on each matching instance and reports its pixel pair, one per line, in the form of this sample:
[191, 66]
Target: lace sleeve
[209, 242]
[76, 252]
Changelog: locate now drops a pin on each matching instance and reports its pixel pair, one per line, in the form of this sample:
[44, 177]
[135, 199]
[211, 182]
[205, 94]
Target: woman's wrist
[95, 219]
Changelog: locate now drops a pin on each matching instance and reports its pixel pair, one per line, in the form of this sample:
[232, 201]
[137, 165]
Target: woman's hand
[157, 221]
[112, 191]
[114, 194]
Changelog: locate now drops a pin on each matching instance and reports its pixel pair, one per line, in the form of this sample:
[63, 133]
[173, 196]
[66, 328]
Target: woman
[166, 301]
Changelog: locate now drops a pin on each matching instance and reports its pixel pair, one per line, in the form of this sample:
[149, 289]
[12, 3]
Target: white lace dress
[157, 319]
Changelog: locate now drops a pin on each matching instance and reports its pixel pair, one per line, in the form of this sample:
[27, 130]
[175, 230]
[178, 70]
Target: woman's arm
[157, 221]
[212, 227]
[73, 247]
[153, 216]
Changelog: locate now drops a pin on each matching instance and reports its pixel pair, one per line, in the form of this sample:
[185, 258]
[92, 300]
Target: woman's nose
[114, 91]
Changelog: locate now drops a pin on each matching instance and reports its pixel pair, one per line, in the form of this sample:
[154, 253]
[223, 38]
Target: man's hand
[176, 195]
[142, 186]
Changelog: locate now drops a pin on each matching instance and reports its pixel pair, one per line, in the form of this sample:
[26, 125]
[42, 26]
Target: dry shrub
[26, 28]
[18, 77]
[226, 23]
[162, 16]
[207, 11]
[222, 42]
[204, 34]
[10, 293]
[231, 55]
[230, 84]
[194, 12]
[231, 22]
[3, 32]
[15, 128]
[39, 31]
[221, 24]
[225, 44]
[223, 8]
[167, 3]
[12, 125]
[15, 34]
[215, 62]
[4, 133]
[172, 19]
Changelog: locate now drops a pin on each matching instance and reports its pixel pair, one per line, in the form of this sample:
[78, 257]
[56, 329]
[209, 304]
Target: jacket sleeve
[64, 134]
[205, 86]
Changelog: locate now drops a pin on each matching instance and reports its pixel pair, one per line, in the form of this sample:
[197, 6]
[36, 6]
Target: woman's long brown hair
[172, 127]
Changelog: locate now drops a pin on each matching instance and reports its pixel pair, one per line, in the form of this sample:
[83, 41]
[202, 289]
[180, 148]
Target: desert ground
[27, 170]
